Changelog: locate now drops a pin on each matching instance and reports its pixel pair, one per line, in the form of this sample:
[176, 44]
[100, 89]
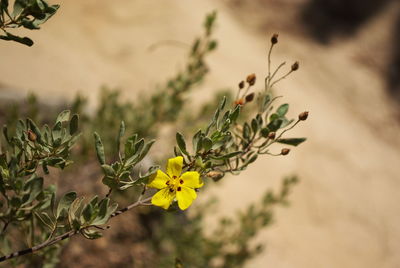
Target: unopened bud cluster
[285, 151]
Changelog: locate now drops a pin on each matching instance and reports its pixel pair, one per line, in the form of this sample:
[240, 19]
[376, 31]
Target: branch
[70, 233]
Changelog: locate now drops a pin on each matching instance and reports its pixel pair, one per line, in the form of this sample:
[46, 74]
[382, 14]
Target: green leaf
[65, 203]
[264, 132]
[34, 187]
[22, 40]
[235, 114]
[130, 146]
[74, 124]
[87, 212]
[63, 116]
[121, 133]
[56, 133]
[108, 171]
[227, 156]
[206, 144]
[282, 110]
[246, 131]
[180, 140]
[5, 133]
[102, 216]
[45, 219]
[110, 182]
[145, 150]
[222, 104]
[275, 125]
[91, 234]
[196, 141]
[99, 149]
[292, 141]
[254, 125]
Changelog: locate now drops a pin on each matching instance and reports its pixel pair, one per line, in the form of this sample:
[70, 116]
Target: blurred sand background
[345, 211]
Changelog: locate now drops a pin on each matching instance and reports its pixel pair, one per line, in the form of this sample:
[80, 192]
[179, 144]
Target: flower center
[174, 184]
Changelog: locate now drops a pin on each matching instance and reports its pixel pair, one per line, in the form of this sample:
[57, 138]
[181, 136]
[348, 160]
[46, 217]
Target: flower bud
[271, 135]
[250, 97]
[241, 85]
[285, 151]
[239, 102]
[31, 135]
[274, 38]
[215, 175]
[251, 79]
[295, 66]
[303, 116]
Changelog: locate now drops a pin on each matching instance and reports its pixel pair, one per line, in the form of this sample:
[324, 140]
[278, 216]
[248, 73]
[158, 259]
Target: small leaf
[99, 149]
[246, 131]
[108, 170]
[275, 125]
[74, 124]
[282, 110]
[227, 156]
[65, 202]
[264, 132]
[121, 133]
[63, 116]
[181, 143]
[146, 149]
[23, 40]
[235, 114]
[206, 144]
[254, 125]
[292, 141]
[87, 212]
[91, 234]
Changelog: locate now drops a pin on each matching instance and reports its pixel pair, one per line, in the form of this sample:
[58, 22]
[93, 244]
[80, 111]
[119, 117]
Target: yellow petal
[191, 179]
[159, 181]
[185, 197]
[163, 198]
[174, 166]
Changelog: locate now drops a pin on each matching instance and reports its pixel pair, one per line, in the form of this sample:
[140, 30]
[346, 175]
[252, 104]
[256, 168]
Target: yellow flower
[175, 185]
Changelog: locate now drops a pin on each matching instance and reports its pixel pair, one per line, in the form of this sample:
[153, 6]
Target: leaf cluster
[28, 14]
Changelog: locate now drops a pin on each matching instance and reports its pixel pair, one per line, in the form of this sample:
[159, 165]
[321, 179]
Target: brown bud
[295, 66]
[285, 151]
[215, 175]
[239, 102]
[241, 85]
[303, 116]
[251, 79]
[250, 97]
[271, 135]
[31, 135]
[274, 38]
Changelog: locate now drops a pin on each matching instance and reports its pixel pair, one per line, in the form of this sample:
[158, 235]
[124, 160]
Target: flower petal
[174, 166]
[185, 197]
[159, 181]
[163, 198]
[191, 179]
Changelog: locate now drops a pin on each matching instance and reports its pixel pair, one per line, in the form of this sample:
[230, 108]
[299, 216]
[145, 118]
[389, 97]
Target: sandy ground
[345, 210]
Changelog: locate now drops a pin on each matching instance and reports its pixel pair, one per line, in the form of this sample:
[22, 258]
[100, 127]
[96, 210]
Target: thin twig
[70, 233]
[283, 77]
